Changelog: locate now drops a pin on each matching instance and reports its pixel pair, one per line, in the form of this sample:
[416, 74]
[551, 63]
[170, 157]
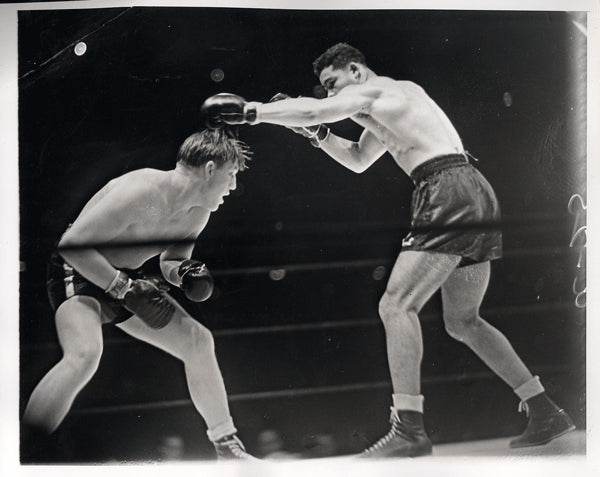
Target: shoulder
[395, 92]
[140, 188]
[145, 182]
[139, 176]
[395, 87]
[380, 86]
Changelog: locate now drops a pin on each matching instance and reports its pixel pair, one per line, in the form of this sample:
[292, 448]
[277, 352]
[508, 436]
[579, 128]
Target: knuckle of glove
[223, 108]
[196, 281]
[146, 301]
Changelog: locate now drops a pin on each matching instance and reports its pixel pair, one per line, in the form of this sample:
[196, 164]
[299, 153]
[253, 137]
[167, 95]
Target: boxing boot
[406, 438]
[231, 448]
[546, 422]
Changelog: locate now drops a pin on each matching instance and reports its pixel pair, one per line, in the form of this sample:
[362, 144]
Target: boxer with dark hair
[447, 247]
[95, 278]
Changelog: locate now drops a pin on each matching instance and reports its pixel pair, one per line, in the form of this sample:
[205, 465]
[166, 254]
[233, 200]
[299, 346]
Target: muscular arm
[310, 111]
[90, 264]
[356, 156]
[170, 260]
[172, 257]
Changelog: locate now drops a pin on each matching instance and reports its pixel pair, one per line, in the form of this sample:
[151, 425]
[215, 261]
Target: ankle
[223, 439]
[540, 405]
[411, 419]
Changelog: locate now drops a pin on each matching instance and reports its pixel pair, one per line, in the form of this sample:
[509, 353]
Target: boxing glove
[196, 281]
[315, 134]
[227, 108]
[144, 299]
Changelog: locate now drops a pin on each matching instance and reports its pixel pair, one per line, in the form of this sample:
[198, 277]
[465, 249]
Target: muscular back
[406, 121]
[136, 208]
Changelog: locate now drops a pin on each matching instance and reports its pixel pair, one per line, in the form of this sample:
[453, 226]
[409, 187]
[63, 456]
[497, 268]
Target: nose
[233, 183]
[330, 93]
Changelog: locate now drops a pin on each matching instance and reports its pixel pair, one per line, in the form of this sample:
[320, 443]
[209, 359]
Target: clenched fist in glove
[142, 298]
[196, 281]
[227, 108]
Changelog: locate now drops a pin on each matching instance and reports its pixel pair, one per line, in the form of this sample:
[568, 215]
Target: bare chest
[389, 131]
[162, 223]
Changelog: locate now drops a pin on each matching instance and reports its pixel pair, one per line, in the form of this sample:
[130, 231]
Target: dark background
[304, 354]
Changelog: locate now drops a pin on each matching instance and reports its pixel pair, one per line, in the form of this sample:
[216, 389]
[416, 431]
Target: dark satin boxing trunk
[63, 282]
[454, 210]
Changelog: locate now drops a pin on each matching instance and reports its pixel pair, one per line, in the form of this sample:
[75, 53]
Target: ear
[355, 70]
[209, 168]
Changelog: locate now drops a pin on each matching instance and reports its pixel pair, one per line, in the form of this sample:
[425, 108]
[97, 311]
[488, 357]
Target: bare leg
[414, 279]
[192, 343]
[80, 335]
[462, 295]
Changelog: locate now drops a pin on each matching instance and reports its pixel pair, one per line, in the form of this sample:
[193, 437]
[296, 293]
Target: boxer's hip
[454, 210]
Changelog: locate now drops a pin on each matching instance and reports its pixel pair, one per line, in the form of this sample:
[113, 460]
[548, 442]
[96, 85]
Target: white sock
[530, 388]
[224, 429]
[408, 402]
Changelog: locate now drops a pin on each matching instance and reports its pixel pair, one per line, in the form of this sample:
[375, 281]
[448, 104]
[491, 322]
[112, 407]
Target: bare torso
[408, 122]
[141, 210]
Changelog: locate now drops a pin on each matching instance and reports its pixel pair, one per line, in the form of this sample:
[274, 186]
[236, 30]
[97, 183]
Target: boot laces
[396, 430]
[237, 448]
[523, 407]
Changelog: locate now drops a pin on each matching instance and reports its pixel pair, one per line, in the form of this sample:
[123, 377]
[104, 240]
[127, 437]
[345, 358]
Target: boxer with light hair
[95, 278]
[454, 230]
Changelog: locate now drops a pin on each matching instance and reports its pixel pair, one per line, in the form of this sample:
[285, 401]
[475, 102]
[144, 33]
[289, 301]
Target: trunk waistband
[436, 164]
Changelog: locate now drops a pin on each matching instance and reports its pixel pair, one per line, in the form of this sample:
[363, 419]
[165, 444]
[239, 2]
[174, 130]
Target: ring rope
[300, 392]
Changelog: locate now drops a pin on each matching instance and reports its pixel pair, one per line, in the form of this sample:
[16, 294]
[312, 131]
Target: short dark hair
[218, 145]
[338, 56]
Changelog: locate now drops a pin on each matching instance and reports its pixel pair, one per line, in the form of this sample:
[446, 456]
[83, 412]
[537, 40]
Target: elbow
[70, 248]
[357, 169]
[360, 163]
[64, 247]
[67, 250]
[360, 168]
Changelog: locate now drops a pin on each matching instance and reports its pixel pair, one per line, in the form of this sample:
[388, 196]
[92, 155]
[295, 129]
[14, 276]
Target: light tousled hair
[219, 145]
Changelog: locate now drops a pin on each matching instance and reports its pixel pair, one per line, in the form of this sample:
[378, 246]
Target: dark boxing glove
[144, 299]
[196, 281]
[315, 134]
[227, 108]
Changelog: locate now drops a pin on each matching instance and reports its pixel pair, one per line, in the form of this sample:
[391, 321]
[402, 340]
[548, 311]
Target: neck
[188, 183]
[368, 74]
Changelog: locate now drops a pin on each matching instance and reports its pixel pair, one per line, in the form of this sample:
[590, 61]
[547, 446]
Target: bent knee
[460, 327]
[394, 306]
[200, 338]
[84, 358]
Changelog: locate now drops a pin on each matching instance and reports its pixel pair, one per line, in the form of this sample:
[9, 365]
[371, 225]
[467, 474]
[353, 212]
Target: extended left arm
[310, 111]
[296, 112]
